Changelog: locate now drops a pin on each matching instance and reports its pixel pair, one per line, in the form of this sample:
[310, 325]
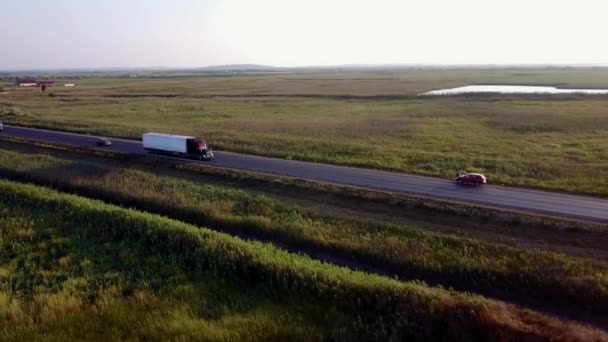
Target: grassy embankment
[467, 264]
[547, 142]
[76, 268]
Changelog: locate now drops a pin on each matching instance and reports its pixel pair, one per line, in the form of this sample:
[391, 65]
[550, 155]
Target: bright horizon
[71, 34]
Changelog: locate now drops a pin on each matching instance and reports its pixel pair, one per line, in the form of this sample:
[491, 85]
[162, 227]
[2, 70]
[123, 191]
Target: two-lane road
[535, 201]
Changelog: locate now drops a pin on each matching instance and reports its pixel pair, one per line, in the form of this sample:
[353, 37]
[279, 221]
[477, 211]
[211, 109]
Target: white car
[1, 127]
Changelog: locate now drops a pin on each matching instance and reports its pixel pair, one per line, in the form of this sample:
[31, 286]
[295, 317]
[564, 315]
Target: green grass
[557, 144]
[76, 268]
[60, 283]
[405, 250]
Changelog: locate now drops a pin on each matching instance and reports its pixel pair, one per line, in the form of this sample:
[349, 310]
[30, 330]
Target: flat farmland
[372, 120]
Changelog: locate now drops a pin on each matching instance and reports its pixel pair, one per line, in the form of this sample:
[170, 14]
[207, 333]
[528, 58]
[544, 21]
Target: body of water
[513, 89]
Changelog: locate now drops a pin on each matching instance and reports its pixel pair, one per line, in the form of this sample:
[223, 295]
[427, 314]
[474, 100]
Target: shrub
[12, 111]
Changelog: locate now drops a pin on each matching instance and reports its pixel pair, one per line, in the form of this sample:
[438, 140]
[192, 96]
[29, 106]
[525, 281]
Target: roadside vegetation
[404, 250]
[371, 120]
[77, 268]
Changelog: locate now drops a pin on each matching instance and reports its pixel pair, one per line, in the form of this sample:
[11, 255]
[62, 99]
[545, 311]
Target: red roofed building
[28, 82]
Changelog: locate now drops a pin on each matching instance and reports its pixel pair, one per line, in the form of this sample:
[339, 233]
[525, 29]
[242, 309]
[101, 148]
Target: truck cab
[198, 147]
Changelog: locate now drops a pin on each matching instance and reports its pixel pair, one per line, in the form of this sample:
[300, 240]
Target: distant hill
[238, 67]
[161, 71]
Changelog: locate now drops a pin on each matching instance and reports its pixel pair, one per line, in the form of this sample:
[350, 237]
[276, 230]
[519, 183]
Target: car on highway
[1, 127]
[103, 142]
[471, 179]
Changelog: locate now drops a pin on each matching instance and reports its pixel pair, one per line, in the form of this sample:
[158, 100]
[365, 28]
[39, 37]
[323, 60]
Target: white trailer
[166, 142]
[177, 145]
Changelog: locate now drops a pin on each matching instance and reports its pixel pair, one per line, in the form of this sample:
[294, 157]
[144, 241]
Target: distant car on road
[471, 178]
[1, 127]
[103, 142]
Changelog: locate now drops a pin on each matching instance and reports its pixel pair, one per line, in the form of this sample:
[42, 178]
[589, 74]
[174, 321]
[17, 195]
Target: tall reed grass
[381, 308]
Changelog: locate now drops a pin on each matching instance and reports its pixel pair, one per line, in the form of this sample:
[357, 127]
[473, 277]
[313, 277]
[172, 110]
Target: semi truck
[177, 145]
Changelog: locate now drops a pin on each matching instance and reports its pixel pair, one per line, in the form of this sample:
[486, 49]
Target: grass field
[365, 119]
[407, 251]
[73, 268]
[57, 284]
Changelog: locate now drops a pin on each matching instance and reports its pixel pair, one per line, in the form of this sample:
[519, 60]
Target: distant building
[28, 82]
[25, 82]
[46, 83]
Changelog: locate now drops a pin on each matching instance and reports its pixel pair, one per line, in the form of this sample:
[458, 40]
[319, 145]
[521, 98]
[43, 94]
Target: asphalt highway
[534, 201]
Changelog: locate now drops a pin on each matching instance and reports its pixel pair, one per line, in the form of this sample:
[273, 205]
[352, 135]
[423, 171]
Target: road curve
[534, 201]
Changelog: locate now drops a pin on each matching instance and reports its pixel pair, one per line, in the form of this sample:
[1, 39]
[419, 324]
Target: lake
[513, 89]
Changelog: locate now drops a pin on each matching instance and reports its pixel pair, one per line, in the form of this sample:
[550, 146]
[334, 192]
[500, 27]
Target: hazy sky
[190, 33]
